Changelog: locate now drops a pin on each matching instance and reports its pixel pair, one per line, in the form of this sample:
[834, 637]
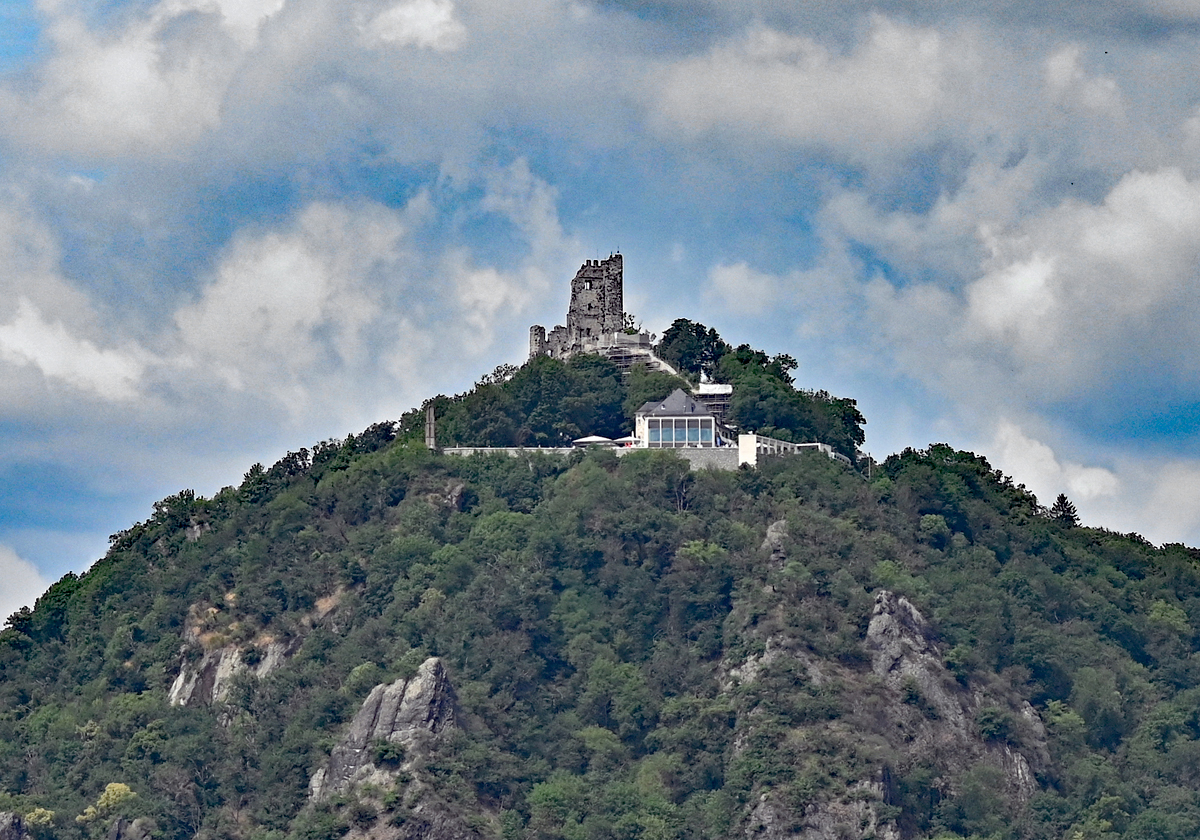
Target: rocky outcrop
[905, 655]
[208, 680]
[776, 535]
[901, 703]
[402, 719]
[12, 827]
[139, 829]
[855, 816]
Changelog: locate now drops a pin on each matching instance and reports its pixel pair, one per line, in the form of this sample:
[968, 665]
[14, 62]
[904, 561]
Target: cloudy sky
[230, 228]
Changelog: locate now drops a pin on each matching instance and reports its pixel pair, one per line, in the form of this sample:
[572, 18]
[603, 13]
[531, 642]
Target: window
[675, 432]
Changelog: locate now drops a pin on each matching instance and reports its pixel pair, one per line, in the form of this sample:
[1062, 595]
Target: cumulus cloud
[149, 87]
[319, 200]
[1079, 296]
[742, 289]
[50, 347]
[895, 86]
[1016, 453]
[52, 338]
[1067, 81]
[1054, 305]
[420, 23]
[20, 583]
[341, 292]
[290, 306]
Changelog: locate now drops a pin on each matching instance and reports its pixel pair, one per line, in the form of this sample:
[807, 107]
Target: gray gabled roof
[678, 404]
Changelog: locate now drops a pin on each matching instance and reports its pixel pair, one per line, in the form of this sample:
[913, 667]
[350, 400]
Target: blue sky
[231, 228]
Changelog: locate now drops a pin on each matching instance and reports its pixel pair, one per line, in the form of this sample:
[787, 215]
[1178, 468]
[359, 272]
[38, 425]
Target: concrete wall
[751, 450]
[717, 457]
[720, 458]
[513, 451]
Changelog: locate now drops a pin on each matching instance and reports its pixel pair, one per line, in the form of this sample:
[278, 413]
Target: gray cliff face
[774, 542]
[905, 656]
[411, 714]
[908, 705]
[902, 650]
[139, 829]
[12, 827]
[208, 681]
[853, 817]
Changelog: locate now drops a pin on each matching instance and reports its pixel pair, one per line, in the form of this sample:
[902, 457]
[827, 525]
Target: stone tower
[595, 317]
[597, 301]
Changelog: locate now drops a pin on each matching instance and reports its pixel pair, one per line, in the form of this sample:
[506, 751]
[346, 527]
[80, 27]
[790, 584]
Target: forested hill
[370, 639]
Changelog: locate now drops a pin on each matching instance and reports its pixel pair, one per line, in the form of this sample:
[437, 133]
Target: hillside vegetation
[635, 651]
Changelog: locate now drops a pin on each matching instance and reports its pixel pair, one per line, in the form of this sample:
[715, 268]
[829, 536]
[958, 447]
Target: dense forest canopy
[631, 649]
[598, 617]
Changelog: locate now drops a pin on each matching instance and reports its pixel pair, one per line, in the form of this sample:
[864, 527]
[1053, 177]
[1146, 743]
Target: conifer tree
[1063, 512]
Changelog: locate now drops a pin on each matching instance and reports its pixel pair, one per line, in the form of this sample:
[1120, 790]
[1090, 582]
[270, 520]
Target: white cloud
[59, 355]
[241, 17]
[313, 311]
[485, 295]
[1060, 304]
[152, 86]
[1035, 465]
[1172, 503]
[742, 289]
[20, 583]
[288, 305]
[1068, 82]
[419, 23]
[893, 87]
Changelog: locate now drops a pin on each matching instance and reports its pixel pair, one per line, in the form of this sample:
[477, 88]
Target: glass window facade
[676, 432]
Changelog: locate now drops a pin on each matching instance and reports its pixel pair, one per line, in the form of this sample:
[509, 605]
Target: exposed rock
[903, 650]
[451, 497]
[12, 827]
[195, 530]
[854, 816]
[776, 535]
[905, 655]
[908, 709]
[140, 829]
[776, 648]
[409, 713]
[208, 681]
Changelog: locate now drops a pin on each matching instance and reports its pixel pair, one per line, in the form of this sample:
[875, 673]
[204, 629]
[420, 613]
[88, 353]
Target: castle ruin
[595, 316]
[596, 321]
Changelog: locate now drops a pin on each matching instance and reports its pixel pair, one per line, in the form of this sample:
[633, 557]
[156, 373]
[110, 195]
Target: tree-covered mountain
[370, 639]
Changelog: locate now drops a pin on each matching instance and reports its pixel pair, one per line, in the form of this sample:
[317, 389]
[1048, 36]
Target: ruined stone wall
[595, 316]
[597, 300]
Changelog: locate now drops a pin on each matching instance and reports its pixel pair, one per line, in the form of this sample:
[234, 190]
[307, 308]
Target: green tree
[1063, 512]
[692, 348]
